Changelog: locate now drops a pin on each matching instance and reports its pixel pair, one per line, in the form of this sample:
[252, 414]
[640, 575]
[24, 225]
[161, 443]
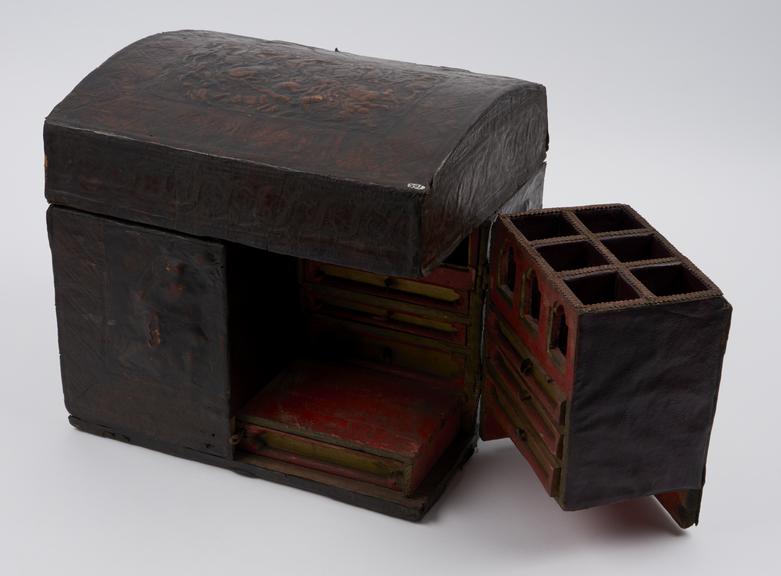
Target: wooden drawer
[445, 288]
[353, 421]
[518, 428]
[391, 314]
[500, 340]
[516, 391]
[391, 350]
[322, 456]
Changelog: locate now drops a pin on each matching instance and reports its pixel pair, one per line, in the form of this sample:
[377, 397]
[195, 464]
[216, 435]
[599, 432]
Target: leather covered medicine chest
[334, 272]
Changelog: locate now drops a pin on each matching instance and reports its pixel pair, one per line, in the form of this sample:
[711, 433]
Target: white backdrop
[672, 107]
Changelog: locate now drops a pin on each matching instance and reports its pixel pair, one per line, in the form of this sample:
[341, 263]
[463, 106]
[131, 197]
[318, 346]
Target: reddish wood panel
[361, 409]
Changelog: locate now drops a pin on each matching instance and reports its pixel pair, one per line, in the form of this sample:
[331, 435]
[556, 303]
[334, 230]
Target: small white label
[414, 186]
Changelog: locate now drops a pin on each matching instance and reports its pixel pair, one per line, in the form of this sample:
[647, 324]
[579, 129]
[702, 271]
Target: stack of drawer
[428, 329]
[388, 382]
[527, 404]
[353, 422]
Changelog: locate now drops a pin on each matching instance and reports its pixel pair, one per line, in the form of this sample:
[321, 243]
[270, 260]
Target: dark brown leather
[644, 400]
[357, 161]
[142, 316]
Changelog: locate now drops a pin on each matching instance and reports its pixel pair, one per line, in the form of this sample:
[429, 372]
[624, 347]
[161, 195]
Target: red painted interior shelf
[353, 421]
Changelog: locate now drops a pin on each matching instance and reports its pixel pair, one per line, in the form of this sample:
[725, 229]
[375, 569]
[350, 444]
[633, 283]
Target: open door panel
[592, 323]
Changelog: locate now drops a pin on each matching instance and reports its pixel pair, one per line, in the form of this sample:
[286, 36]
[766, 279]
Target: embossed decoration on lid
[299, 150]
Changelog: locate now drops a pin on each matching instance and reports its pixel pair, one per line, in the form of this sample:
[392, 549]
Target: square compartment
[541, 226]
[669, 280]
[598, 288]
[608, 219]
[571, 256]
[634, 248]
